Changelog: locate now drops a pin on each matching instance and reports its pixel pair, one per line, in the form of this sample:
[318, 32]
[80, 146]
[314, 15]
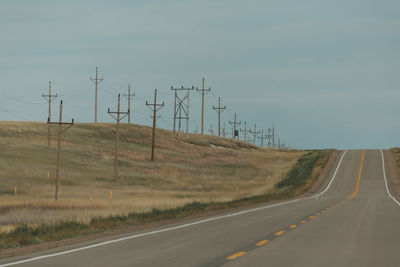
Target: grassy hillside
[200, 168]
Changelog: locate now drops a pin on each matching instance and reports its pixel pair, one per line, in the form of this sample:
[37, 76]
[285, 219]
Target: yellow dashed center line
[359, 174]
[236, 255]
[262, 242]
[279, 233]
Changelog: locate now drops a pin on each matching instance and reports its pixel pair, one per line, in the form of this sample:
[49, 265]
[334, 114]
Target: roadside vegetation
[191, 175]
[396, 153]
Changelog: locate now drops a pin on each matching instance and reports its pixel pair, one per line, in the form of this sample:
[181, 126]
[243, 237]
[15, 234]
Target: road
[353, 223]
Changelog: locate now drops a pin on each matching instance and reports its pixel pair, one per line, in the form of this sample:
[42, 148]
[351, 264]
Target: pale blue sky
[326, 72]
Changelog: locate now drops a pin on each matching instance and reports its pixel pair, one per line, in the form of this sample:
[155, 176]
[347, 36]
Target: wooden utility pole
[234, 124]
[118, 119]
[60, 124]
[181, 108]
[211, 130]
[255, 133]
[245, 131]
[129, 96]
[269, 137]
[262, 137]
[273, 136]
[219, 109]
[154, 107]
[96, 82]
[50, 98]
[203, 93]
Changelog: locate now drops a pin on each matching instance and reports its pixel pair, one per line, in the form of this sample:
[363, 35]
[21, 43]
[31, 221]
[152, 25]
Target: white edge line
[176, 227]
[333, 177]
[386, 183]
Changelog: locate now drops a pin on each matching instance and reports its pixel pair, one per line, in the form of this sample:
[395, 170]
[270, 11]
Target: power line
[14, 114]
[19, 99]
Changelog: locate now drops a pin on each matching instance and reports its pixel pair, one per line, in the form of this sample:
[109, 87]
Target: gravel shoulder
[393, 173]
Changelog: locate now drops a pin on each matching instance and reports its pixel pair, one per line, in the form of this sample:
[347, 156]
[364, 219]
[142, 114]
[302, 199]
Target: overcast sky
[325, 72]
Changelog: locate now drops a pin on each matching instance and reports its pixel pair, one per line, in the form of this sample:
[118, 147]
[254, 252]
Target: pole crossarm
[50, 97]
[70, 124]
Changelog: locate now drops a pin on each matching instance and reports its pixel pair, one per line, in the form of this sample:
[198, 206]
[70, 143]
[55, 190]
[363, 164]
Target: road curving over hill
[354, 222]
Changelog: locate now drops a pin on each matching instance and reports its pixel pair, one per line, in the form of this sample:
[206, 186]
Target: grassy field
[201, 168]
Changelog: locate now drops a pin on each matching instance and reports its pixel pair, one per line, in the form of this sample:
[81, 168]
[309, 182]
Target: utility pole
[211, 130]
[50, 98]
[219, 109]
[118, 119]
[255, 133]
[129, 96]
[245, 131]
[234, 124]
[181, 105]
[60, 124]
[279, 143]
[203, 93]
[273, 136]
[269, 137]
[262, 137]
[154, 107]
[223, 131]
[96, 82]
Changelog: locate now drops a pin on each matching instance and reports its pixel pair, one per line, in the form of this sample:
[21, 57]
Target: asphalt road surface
[354, 222]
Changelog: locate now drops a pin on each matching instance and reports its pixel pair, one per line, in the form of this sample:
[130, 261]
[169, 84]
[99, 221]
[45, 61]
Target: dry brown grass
[200, 168]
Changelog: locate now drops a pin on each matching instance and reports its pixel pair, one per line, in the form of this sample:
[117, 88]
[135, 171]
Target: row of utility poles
[181, 112]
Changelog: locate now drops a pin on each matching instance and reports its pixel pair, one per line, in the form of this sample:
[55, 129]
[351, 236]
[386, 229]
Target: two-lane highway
[353, 223]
